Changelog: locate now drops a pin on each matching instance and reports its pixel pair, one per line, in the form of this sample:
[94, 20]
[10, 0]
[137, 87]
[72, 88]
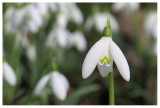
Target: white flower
[78, 40]
[99, 20]
[35, 21]
[69, 11]
[62, 20]
[9, 74]
[102, 54]
[75, 13]
[129, 7]
[151, 24]
[60, 35]
[58, 82]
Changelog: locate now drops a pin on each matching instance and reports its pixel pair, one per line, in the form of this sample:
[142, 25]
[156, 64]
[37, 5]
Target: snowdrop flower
[129, 7]
[75, 13]
[14, 19]
[151, 24]
[9, 74]
[60, 35]
[151, 28]
[62, 20]
[99, 20]
[102, 54]
[78, 40]
[58, 82]
[71, 12]
[35, 21]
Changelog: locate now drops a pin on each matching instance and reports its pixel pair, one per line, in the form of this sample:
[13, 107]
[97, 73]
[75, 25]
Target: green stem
[111, 88]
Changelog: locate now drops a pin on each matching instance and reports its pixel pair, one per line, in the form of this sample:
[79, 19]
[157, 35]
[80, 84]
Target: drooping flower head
[9, 74]
[102, 54]
[57, 81]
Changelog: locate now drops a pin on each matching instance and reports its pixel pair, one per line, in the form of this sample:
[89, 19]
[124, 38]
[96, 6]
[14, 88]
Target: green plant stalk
[111, 88]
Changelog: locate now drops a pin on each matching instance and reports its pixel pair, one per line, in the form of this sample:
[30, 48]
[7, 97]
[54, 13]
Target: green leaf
[79, 93]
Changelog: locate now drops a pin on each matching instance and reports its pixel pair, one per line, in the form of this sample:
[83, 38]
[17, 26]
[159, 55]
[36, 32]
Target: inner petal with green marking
[105, 58]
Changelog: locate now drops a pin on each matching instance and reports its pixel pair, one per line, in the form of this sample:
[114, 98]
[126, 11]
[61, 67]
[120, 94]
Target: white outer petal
[9, 74]
[62, 37]
[59, 85]
[41, 84]
[92, 58]
[63, 80]
[104, 69]
[120, 61]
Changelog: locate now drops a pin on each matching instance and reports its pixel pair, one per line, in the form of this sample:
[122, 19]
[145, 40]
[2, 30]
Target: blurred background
[37, 34]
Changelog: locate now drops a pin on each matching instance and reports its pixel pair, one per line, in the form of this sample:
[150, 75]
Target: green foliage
[135, 43]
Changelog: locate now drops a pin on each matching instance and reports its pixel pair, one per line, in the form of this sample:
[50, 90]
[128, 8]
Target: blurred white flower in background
[99, 20]
[62, 20]
[128, 7]
[60, 35]
[9, 74]
[57, 81]
[75, 13]
[78, 40]
[150, 26]
[35, 20]
[71, 12]
[29, 16]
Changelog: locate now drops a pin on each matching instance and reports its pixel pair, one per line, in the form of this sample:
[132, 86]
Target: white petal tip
[84, 76]
[120, 61]
[127, 79]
